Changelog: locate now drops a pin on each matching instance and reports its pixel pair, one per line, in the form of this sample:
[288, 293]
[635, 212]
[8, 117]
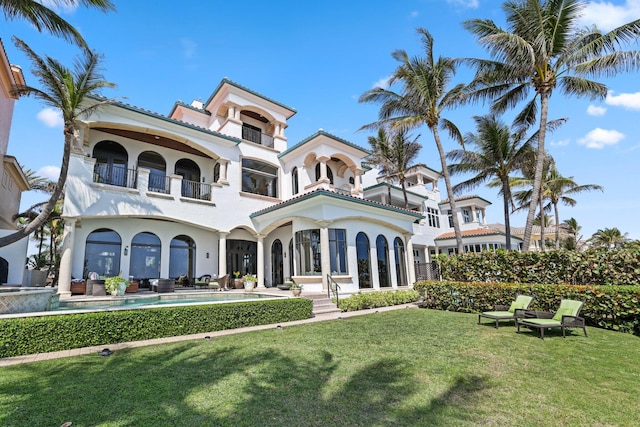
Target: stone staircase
[321, 304]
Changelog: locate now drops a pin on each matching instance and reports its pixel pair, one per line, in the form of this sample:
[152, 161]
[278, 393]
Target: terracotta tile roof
[471, 233]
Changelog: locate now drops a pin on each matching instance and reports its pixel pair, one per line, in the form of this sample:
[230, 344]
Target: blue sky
[319, 57]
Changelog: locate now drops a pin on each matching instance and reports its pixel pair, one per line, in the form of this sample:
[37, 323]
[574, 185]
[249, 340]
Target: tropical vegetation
[543, 50]
[424, 94]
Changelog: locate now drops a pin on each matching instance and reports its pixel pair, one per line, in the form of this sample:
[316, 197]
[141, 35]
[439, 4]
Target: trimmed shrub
[363, 301]
[30, 335]
[608, 307]
[592, 267]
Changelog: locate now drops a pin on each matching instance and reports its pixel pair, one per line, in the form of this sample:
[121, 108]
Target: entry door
[277, 264]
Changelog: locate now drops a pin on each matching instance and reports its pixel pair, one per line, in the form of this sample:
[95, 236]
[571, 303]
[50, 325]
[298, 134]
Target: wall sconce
[207, 255]
[126, 250]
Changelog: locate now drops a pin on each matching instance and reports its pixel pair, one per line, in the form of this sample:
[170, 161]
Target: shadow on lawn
[184, 386]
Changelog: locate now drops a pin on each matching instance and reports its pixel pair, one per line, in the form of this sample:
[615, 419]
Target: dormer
[242, 113]
[471, 210]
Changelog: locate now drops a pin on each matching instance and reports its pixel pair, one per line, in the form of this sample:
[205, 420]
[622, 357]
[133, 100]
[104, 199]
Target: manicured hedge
[592, 267]
[609, 307]
[30, 335]
[362, 301]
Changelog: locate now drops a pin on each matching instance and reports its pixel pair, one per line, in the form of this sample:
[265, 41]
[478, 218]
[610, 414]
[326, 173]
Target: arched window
[182, 257]
[216, 172]
[102, 252]
[401, 261]
[291, 268]
[319, 174]
[145, 256]
[111, 164]
[308, 252]
[190, 173]
[259, 178]
[153, 161]
[364, 261]
[382, 250]
[277, 264]
[294, 181]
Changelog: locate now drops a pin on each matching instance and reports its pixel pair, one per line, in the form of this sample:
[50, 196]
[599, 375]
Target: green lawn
[409, 367]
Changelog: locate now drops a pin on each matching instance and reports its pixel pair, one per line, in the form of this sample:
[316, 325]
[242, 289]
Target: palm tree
[43, 18]
[67, 91]
[542, 50]
[499, 153]
[559, 189]
[394, 154]
[610, 238]
[423, 98]
[572, 227]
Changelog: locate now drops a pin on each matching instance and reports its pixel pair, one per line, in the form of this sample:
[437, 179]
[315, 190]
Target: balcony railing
[249, 134]
[117, 175]
[196, 190]
[159, 183]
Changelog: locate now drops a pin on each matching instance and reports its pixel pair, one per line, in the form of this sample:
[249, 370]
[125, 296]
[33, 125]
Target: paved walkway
[8, 361]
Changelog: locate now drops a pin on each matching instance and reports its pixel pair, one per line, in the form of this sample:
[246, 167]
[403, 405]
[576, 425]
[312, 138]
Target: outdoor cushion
[562, 312]
[493, 314]
[514, 305]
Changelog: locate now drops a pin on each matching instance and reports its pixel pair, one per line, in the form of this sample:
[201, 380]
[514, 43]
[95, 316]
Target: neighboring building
[213, 188]
[14, 182]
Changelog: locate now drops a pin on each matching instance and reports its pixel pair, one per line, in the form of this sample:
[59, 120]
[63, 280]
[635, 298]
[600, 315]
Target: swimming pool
[158, 300]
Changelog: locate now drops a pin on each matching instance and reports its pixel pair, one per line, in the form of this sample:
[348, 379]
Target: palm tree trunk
[48, 208]
[404, 192]
[506, 196]
[555, 212]
[543, 223]
[537, 180]
[449, 187]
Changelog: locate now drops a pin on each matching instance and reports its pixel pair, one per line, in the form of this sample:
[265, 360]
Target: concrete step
[322, 304]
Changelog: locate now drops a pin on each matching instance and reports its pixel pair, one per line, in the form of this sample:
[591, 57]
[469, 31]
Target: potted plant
[296, 289]
[250, 281]
[116, 285]
[237, 282]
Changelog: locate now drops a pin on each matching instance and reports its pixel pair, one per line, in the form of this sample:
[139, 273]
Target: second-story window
[259, 178]
[294, 181]
[433, 217]
[466, 215]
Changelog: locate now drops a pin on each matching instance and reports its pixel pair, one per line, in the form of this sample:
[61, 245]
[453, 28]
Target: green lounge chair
[504, 312]
[567, 316]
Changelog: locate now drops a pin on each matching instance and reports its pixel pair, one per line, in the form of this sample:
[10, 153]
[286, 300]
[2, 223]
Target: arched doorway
[364, 261]
[190, 173]
[242, 256]
[182, 257]
[4, 270]
[382, 250]
[145, 256]
[277, 264]
[401, 261]
[153, 161]
[102, 252]
[111, 164]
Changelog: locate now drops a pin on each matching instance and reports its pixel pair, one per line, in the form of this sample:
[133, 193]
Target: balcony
[115, 174]
[257, 137]
[196, 190]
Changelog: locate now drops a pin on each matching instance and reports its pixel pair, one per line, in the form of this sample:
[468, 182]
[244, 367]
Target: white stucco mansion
[215, 188]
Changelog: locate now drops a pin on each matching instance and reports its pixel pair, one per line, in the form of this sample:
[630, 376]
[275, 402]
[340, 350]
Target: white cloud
[383, 83]
[607, 16]
[472, 4]
[56, 5]
[414, 14]
[594, 110]
[600, 138]
[51, 118]
[188, 47]
[561, 143]
[49, 172]
[630, 101]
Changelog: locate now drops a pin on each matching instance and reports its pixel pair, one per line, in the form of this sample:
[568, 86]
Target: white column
[409, 256]
[260, 256]
[323, 168]
[474, 214]
[357, 181]
[325, 260]
[222, 253]
[392, 265]
[66, 257]
[375, 275]
[143, 179]
[223, 172]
